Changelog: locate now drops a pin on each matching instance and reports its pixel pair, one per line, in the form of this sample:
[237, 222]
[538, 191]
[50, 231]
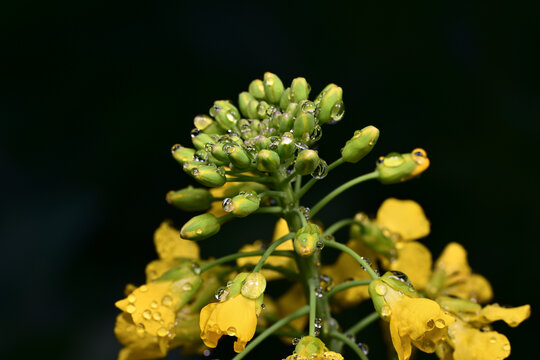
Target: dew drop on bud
[295, 341]
[363, 347]
[321, 171]
[227, 205]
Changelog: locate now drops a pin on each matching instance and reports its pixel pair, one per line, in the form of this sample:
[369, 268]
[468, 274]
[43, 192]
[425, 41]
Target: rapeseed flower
[312, 348]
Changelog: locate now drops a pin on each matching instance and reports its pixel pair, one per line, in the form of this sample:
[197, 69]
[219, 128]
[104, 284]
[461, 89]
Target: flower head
[413, 320]
[236, 313]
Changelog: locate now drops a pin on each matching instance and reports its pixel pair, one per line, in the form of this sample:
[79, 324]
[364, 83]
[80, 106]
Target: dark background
[95, 93]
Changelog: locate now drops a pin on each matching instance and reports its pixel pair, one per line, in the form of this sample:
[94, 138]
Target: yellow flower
[413, 320]
[281, 229]
[407, 219]
[236, 314]
[452, 276]
[312, 348]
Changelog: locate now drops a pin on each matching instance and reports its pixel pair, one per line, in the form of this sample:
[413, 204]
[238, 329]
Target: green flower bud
[304, 125]
[200, 141]
[253, 286]
[261, 142]
[360, 144]
[331, 104]
[300, 89]
[292, 108]
[182, 154]
[217, 152]
[286, 147]
[243, 103]
[200, 227]
[225, 113]
[267, 160]
[306, 162]
[207, 175]
[237, 156]
[375, 238]
[262, 109]
[286, 122]
[273, 88]
[285, 99]
[306, 239]
[394, 167]
[201, 122]
[234, 286]
[242, 204]
[256, 88]
[252, 109]
[190, 199]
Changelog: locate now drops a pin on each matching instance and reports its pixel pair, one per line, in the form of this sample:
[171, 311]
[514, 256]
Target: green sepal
[244, 98]
[200, 227]
[310, 347]
[292, 108]
[399, 282]
[253, 286]
[234, 287]
[207, 175]
[217, 152]
[457, 305]
[256, 88]
[185, 269]
[202, 121]
[200, 140]
[238, 156]
[435, 283]
[285, 99]
[236, 187]
[286, 147]
[182, 154]
[252, 108]
[261, 109]
[373, 237]
[225, 113]
[261, 142]
[378, 300]
[190, 199]
[306, 239]
[273, 88]
[331, 104]
[244, 204]
[304, 125]
[306, 162]
[300, 89]
[286, 122]
[360, 144]
[395, 167]
[267, 160]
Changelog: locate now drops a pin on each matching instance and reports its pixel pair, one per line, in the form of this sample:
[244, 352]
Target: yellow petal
[470, 343]
[475, 288]
[216, 209]
[404, 217]
[511, 316]
[156, 268]
[138, 344]
[170, 245]
[414, 259]
[453, 261]
[281, 229]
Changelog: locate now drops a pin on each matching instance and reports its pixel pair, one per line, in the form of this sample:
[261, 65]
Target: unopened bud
[244, 204]
[394, 167]
[254, 286]
[286, 147]
[300, 89]
[331, 104]
[256, 88]
[190, 199]
[201, 140]
[267, 160]
[306, 162]
[182, 154]
[273, 88]
[305, 241]
[238, 156]
[200, 227]
[207, 175]
[360, 144]
[304, 125]
[243, 103]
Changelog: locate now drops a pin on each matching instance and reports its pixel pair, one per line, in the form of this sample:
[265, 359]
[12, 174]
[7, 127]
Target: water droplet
[166, 300]
[329, 238]
[321, 171]
[221, 293]
[143, 288]
[351, 337]
[194, 171]
[440, 324]
[201, 122]
[320, 245]
[295, 341]
[386, 311]
[227, 205]
[231, 331]
[493, 340]
[154, 305]
[319, 291]
[430, 324]
[131, 298]
[147, 314]
[381, 289]
[305, 211]
[196, 268]
[195, 132]
[337, 111]
[263, 306]
[187, 287]
[364, 348]
[207, 353]
[316, 134]
[140, 329]
[506, 347]
[156, 315]
[162, 332]
[130, 309]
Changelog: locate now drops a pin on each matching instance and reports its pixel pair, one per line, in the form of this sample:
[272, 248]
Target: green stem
[301, 192]
[289, 178]
[312, 306]
[260, 179]
[280, 269]
[270, 249]
[338, 225]
[291, 334]
[280, 194]
[355, 256]
[269, 210]
[301, 217]
[266, 333]
[372, 175]
[362, 323]
[345, 286]
[225, 217]
[231, 257]
[298, 184]
[350, 344]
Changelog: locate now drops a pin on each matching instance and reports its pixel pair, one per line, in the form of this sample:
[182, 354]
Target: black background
[95, 93]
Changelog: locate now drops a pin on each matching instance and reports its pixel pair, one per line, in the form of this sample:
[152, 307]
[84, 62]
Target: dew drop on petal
[130, 308]
[166, 300]
[147, 314]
